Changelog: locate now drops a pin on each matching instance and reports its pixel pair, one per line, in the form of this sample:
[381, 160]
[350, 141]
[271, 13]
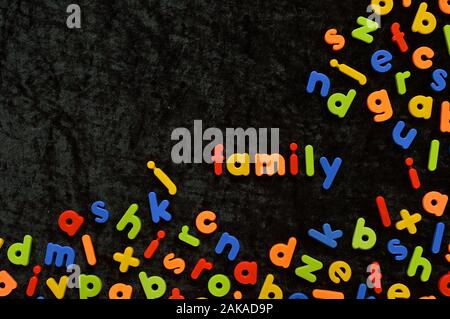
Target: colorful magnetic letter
[89, 250]
[380, 61]
[418, 261]
[433, 155]
[400, 80]
[444, 285]
[403, 141]
[154, 286]
[90, 286]
[437, 238]
[58, 288]
[419, 58]
[444, 5]
[98, 208]
[445, 117]
[374, 279]
[383, 6]
[163, 178]
[379, 103]
[120, 291]
[219, 285]
[447, 36]
[306, 271]
[324, 80]
[130, 218]
[246, 272]
[227, 239]
[7, 283]
[330, 170]
[435, 203]
[408, 221]
[202, 226]
[424, 22]
[398, 291]
[309, 157]
[328, 237]
[327, 294]
[33, 282]
[19, 253]
[399, 37]
[154, 244]
[439, 76]
[367, 26]
[239, 164]
[184, 236]
[298, 295]
[397, 249]
[333, 38]
[339, 104]
[412, 172]
[158, 211]
[361, 294]
[339, 270]
[361, 232]
[383, 211]
[176, 264]
[126, 259]
[421, 106]
[270, 290]
[201, 265]
[70, 222]
[349, 71]
[281, 254]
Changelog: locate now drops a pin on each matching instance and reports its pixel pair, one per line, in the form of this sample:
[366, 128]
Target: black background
[82, 111]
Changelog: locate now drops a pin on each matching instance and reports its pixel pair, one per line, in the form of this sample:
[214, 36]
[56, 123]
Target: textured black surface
[82, 111]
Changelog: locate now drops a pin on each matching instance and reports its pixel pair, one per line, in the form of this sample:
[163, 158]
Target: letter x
[126, 259]
[408, 221]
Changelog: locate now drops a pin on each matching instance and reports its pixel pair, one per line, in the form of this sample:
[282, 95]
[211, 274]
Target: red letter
[399, 37]
[218, 159]
[69, 222]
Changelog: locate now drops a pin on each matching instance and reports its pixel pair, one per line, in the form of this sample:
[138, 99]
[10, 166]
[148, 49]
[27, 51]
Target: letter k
[158, 211]
[328, 237]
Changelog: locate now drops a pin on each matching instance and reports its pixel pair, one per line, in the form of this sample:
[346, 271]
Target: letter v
[306, 271]
[58, 289]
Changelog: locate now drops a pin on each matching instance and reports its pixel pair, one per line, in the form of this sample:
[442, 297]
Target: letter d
[19, 253]
[281, 254]
[338, 104]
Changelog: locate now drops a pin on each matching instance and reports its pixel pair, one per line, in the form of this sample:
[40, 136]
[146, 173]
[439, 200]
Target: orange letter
[202, 226]
[281, 254]
[445, 117]
[120, 291]
[444, 5]
[418, 58]
[177, 264]
[269, 164]
[7, 283]
[378, 102]
[434, 203]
